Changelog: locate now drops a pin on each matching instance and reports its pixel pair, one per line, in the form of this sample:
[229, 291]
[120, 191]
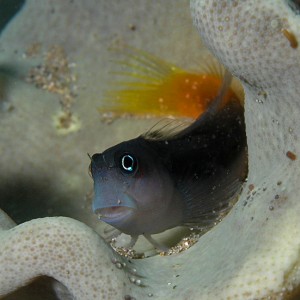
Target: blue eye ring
[128, 163]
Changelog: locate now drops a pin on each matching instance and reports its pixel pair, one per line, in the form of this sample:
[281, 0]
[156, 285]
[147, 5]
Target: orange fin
[148, 85]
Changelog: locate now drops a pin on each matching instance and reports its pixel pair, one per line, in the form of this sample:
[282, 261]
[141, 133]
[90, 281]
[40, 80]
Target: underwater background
[55, 65]
[44, 169]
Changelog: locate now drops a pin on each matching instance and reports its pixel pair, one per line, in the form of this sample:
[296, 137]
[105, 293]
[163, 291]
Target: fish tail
[147, 85]
[138, 88]
[221, 99]
[219, 102]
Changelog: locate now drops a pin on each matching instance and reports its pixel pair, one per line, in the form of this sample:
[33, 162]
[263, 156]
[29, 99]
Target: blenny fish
[147, 85]
[174, 175]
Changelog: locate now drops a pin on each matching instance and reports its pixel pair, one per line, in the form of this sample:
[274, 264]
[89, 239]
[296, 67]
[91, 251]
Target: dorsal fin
[166, 129]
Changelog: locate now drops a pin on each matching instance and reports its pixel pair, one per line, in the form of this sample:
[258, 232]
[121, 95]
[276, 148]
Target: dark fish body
[167, 177]
[123, 192]
[207, 164]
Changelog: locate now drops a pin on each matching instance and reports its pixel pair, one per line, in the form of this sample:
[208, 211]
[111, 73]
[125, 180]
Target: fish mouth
[113, 213]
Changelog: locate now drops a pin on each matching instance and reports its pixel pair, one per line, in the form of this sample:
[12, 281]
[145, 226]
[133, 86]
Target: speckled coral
[254, 253]
[64, 249]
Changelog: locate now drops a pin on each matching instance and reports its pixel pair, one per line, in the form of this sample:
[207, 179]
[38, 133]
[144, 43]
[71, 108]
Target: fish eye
[128, 163]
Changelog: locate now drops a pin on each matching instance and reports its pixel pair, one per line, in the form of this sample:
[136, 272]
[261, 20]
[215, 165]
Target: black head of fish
[133, 189]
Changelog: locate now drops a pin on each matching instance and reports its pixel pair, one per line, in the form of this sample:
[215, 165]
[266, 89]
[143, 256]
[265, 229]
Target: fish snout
[109, 202]
[114, 210]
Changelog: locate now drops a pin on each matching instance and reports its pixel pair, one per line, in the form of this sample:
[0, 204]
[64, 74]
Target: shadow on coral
[24, 199]
[8, 9]
[4, 80]
[8, 76]
[294, 295]
[41, 286]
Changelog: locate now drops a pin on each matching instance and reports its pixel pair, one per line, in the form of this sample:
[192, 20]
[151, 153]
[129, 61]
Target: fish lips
[114, 215]
[113, 210]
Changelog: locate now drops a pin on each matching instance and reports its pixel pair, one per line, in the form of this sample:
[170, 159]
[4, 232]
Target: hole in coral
[293, 295]
[43, 287]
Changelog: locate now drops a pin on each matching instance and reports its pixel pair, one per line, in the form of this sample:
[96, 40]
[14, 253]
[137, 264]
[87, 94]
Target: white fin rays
[212, 67]
[141, 65]
[166, 129]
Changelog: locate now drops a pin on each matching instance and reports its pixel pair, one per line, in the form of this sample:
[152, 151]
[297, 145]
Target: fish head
[132, 188]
